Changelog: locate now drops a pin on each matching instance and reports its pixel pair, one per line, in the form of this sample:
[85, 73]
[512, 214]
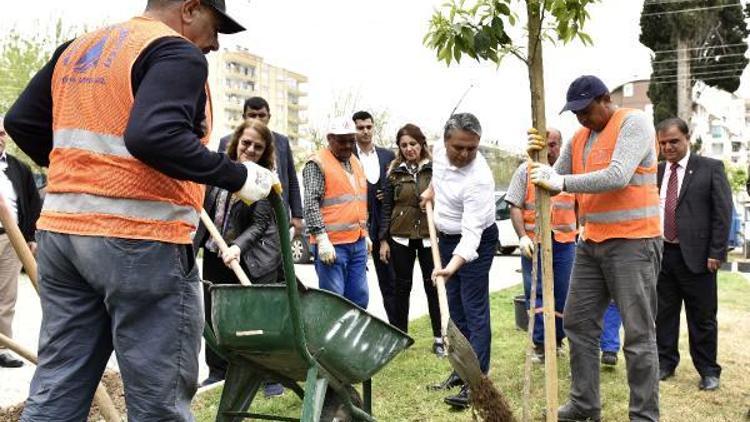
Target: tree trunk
[544, 236]
[684, 85]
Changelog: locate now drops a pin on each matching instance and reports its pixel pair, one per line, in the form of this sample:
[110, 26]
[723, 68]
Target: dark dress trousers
[703, 218]
[385, 273]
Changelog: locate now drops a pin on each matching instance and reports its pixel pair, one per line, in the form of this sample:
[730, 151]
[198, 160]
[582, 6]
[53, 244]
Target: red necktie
[670, 205]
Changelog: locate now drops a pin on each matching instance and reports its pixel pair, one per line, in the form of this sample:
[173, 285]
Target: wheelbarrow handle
[19, 243]
[235, 264]
[440, 280]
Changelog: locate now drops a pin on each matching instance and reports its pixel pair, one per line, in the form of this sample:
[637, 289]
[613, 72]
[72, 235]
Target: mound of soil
[113, 384]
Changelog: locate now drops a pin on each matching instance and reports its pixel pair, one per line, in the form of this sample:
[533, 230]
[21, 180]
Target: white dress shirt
[6, 189]
[464, 200]
[665, 181]
[370, 163]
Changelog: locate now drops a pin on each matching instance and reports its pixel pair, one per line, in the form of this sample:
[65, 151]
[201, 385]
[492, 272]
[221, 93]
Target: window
[717, 131]
[502, 209]
[717, 149]
[627, 90]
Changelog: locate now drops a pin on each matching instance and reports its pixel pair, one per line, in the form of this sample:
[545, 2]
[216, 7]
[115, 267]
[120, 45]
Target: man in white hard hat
[336, 214]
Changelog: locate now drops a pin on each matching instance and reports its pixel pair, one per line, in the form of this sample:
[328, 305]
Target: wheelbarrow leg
[315, 392]
[367, 396]
[240, 387]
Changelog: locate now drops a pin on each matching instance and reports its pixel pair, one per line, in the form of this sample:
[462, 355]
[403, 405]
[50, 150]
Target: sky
[374, 50]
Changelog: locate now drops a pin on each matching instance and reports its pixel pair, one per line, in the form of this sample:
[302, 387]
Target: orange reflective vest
[344, 203]
[563, 218]
[628, 213]
[96, 187]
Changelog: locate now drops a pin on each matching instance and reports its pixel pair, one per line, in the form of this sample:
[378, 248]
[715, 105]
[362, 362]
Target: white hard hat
[341, 126]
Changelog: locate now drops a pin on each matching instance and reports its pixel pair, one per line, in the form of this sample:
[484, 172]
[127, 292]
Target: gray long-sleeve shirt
[634, 147]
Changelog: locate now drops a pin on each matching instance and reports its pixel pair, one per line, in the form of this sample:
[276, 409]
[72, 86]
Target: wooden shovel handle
[19, 243]
[440, 281]
[236, 267]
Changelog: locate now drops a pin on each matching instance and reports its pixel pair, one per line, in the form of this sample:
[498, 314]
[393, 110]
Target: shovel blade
[462, 357]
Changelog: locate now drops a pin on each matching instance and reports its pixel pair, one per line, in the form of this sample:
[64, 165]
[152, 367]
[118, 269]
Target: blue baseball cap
[582, 92]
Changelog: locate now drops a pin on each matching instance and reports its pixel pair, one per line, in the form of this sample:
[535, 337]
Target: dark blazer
[704, 211]
[251, 227]
[375, 206]
[285, 169]
[29, 204]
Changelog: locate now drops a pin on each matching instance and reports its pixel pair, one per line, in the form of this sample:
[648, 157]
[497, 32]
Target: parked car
[507, 240]
[301, 247]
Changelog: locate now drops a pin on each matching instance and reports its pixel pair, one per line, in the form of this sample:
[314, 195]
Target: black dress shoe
[8, 361]
[460, 400]
[709, 383]
[569, 413]
[452, 381]
[665, 374]
[609, 358]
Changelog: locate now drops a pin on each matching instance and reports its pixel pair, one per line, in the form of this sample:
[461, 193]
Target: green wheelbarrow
[291, 333]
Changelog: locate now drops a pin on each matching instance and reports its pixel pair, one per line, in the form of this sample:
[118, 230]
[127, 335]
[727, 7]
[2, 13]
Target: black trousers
[386, 281]
[676, 285]
[403, 258]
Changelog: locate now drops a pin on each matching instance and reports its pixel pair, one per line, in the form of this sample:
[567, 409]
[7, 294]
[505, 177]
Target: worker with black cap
[610, 164]
[121, 117]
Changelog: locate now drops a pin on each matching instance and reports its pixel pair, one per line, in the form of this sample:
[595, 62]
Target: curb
[736, 266]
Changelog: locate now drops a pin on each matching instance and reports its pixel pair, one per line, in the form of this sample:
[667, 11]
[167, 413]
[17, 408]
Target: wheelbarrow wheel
[334, 408]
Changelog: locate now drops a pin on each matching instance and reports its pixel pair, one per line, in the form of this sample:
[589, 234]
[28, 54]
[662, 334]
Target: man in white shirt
[375, 161]
[22, 199]
[463, 190]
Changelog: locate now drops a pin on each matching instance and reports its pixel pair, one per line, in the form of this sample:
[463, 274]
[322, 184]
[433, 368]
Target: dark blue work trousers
[469, 293]
[139, 298]
[562, 264]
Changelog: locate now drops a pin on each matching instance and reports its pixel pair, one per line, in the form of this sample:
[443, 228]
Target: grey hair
[463, 121]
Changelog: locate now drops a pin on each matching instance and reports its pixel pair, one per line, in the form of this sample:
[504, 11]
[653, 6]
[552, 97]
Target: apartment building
[235, 75]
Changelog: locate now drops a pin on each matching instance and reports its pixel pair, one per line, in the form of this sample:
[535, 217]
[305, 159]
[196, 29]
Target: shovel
[487, 401]
[107, 408]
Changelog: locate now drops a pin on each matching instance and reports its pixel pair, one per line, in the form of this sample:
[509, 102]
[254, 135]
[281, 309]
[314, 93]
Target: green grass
[399, 392]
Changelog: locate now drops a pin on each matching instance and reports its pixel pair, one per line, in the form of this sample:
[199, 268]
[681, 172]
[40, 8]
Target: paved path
[14, 383]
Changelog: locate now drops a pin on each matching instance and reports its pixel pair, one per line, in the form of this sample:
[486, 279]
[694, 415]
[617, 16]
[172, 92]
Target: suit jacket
[704, 211]
[285, 169]
[29, 204]
[375, 206]
[251, 227]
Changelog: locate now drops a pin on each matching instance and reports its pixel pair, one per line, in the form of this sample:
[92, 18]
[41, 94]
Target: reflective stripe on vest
[562, 218]
[631, 212]
[344, 203]
[95, 186]
[82, 203]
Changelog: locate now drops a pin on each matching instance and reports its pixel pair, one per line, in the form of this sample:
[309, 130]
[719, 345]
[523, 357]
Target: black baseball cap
[582, 92]
[227, 25]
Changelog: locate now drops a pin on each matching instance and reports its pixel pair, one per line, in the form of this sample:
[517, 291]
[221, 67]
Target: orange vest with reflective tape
[628, 213]
[563, 218]
[96, 187]
[344, 203]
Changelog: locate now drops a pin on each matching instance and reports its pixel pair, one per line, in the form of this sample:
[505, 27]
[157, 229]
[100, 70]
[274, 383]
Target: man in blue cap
[611, 165]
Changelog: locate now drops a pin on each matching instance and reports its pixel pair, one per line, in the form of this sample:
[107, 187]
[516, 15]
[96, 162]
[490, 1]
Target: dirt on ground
[113, 384]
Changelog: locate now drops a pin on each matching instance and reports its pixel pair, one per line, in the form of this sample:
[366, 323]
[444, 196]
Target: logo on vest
[90, 59]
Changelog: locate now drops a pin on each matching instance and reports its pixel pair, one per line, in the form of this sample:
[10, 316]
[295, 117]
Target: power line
[695, 9]
[718, 78]
[694, 74]
[691, 59]
[706, 47]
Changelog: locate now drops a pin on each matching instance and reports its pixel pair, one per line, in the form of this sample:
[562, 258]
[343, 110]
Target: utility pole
[684, 93]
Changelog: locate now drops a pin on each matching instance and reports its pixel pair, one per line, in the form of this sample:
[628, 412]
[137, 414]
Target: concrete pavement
[14, 383]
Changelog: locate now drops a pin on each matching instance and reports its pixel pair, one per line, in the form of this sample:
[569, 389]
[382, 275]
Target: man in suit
[696, 206]
[375, 161]
[257, 108]
[21, 197]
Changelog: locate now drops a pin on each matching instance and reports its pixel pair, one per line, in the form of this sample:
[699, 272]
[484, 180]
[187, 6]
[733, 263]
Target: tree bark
[544, 235]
